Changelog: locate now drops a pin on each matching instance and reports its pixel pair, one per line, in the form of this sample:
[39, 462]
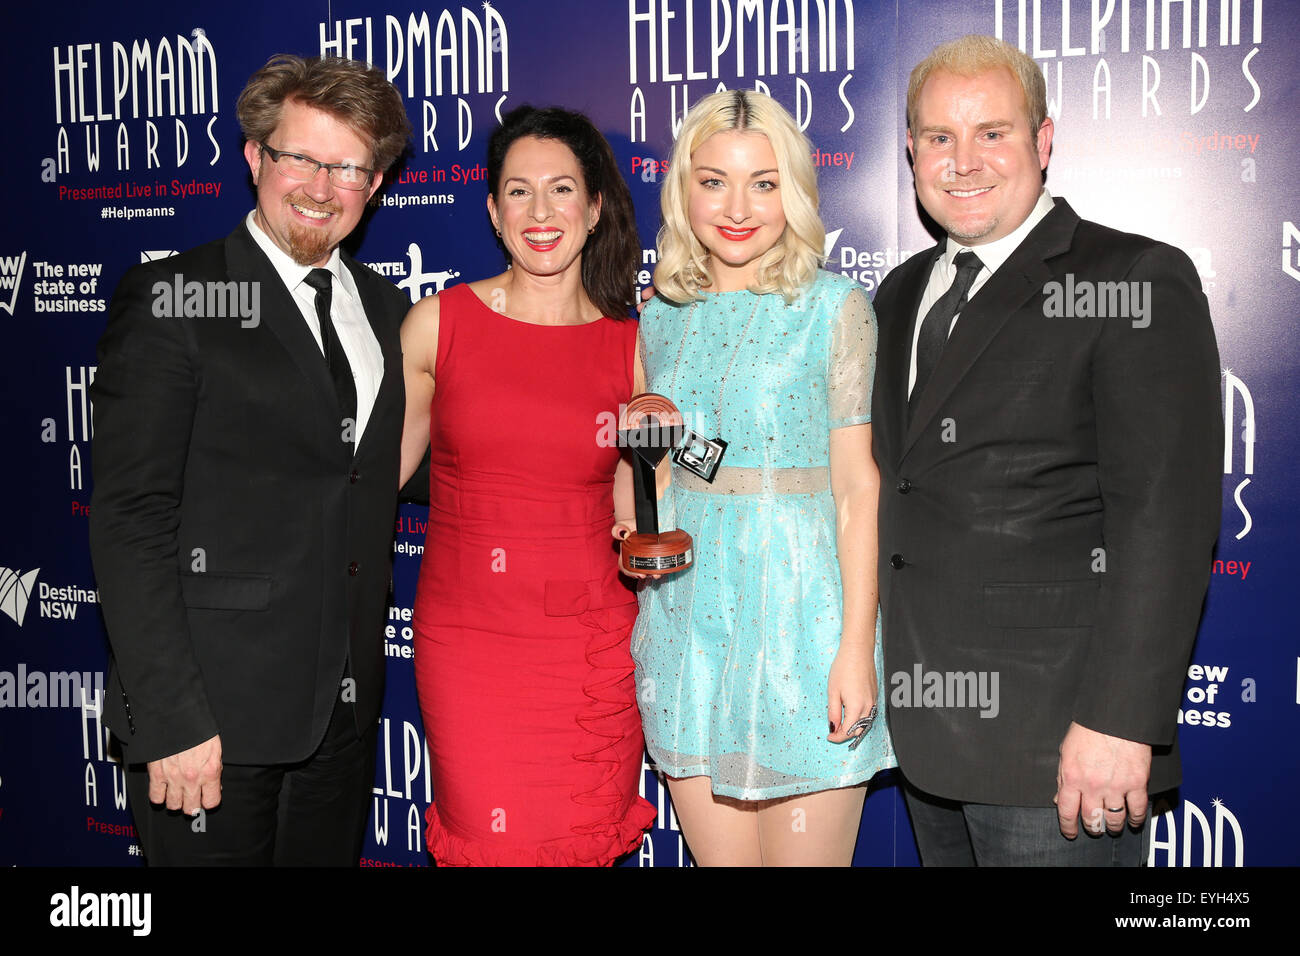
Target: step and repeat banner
[1173, 119]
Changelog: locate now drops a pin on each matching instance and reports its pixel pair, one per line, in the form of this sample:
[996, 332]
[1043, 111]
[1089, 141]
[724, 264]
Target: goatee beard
[308, 246]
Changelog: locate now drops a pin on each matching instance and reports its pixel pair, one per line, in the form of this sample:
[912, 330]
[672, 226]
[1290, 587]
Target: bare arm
[624, 506]
[419, 358]
[855, 486]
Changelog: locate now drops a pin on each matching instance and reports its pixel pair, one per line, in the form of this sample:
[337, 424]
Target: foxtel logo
[11, 275]
[15, 591]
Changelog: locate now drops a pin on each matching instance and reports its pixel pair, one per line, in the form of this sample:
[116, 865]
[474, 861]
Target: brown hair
[972, 55]
[355, 94]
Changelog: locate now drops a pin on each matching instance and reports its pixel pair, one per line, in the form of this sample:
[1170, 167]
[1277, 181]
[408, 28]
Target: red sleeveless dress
[522, 620]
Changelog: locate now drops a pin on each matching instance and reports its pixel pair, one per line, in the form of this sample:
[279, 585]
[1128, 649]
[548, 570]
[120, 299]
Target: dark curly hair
[611, 255]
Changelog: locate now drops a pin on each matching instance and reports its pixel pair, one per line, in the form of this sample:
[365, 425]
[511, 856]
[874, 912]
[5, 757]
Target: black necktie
[934, 328]
[335, 358]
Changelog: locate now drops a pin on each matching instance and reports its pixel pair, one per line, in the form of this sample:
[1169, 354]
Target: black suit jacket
[1047, 513]
[242, 551]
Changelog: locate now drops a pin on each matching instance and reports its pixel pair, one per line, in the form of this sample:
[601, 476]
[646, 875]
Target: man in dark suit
[1048, 431]
[248, 412]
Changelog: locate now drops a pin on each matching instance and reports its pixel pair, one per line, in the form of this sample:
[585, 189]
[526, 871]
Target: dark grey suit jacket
[1047, 512]
[242, 552]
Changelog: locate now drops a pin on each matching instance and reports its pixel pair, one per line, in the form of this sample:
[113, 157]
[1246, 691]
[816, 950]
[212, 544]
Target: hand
[188, 780]
[1102, 778]
[620, 531]
[647, 294]
[850, 691]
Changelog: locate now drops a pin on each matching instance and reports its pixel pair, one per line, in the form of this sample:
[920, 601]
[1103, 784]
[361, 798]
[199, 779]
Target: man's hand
[188, 780]
[1103, 779]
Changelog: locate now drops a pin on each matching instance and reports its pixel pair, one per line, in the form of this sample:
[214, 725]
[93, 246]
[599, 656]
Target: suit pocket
[1047, 604]
[227, 592]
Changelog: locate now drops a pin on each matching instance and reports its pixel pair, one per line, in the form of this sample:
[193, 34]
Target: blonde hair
[792, 263]
[975, 54]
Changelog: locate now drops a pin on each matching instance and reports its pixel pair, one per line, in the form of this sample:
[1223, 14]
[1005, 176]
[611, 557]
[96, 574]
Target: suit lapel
[281, 314]
[896, 342]
[1019, 280]
[381, 324]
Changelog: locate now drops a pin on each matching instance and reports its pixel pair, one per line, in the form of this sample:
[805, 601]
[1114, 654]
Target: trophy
[652, 427]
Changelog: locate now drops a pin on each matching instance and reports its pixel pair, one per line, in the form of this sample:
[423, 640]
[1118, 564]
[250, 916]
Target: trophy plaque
[652, 428]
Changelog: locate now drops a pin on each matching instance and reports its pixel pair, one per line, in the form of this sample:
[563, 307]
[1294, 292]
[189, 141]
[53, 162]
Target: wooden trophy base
[656, 554]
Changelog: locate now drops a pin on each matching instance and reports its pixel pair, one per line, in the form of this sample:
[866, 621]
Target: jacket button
[352, 478]
[904, 485]
[896, 562]
[353, 568]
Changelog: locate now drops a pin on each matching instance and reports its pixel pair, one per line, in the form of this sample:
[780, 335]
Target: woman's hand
[851, 691]
[620, 531]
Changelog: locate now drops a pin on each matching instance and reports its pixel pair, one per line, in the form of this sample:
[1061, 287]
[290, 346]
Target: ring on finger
[860, 728]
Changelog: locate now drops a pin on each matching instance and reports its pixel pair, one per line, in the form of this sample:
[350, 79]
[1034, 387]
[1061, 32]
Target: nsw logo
[1291, 250]
[11, 276]
[831, 238]
[15, 592]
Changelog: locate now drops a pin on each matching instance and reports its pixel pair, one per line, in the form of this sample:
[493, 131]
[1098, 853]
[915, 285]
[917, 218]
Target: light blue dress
[733, 654]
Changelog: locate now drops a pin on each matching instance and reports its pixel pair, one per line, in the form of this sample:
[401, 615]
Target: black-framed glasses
[302, 168]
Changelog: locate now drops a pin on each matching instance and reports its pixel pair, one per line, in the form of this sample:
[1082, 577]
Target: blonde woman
[758, 667]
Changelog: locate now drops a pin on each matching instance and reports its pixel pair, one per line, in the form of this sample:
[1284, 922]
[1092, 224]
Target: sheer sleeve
[852, 363]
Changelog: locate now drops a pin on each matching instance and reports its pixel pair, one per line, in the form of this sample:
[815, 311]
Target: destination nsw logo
[61, 603]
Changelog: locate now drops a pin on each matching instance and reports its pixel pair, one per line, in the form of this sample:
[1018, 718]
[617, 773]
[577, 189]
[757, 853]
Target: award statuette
[652, 426]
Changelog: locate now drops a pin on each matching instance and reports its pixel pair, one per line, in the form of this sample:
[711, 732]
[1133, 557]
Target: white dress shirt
[991, 256]
[354, 332]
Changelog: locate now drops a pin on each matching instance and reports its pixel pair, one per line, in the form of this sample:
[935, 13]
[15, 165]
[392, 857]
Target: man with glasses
[248, 413]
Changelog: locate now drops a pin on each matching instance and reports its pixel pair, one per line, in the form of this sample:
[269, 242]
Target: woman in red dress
[521, 619]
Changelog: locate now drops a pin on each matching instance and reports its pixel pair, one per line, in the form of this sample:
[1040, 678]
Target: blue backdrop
[1173, 120]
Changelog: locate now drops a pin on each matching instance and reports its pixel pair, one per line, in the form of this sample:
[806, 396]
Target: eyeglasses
[303, 168]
